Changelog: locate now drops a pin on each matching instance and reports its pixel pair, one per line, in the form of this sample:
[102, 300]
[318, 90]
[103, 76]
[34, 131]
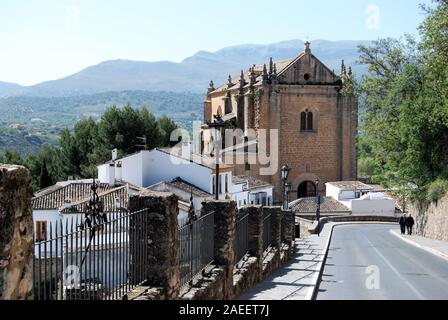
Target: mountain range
[191, 75]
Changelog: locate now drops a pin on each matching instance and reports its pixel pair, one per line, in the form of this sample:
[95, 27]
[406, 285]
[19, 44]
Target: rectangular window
[213, 185]
[227, 184]
[41, 231]
[220, 184]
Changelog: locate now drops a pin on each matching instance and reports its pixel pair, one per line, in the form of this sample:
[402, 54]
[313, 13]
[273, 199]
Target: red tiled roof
[308, 205]
[54, 197]
[108, 198]
[351, 185]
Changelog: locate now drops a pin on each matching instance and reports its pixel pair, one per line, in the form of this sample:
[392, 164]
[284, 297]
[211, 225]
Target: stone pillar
[16, 233]
[255, 234]
[160, 222]
[208, 109]
[276, 226]
[240, 111]
[225, 219]
[288, 233]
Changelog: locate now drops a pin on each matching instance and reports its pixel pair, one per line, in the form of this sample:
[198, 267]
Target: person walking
[402, 223]
[410, 224]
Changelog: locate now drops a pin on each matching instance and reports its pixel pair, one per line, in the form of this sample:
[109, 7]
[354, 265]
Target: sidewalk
[437, 247]
[298, 279]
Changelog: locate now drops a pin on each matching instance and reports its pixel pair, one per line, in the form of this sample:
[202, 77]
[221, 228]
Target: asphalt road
[366, 262]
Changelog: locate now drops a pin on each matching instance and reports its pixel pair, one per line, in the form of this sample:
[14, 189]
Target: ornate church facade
[316, 119]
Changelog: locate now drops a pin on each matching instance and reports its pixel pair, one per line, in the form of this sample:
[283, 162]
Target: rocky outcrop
[16, 233]
[431, 220]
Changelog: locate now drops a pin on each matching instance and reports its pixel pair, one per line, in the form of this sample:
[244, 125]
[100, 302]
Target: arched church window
[306, 121]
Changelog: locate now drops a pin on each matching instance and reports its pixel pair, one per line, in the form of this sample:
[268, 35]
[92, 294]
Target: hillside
[191, 75]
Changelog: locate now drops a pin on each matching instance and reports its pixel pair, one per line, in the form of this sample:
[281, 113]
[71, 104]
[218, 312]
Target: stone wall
[16, 233]
[222, 280]
[257, 265]
[161, 264]
[431, 220]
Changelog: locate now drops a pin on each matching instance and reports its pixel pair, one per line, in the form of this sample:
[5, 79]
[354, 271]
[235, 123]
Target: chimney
[114, 154]
[118, 171]
[111, 175]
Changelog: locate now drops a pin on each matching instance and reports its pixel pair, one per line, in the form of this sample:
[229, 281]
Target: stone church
[316, 120]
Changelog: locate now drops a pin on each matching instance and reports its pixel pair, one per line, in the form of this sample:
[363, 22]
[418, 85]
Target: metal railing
[241, 241]
[103, 262]
[196, 247]
[266, 231]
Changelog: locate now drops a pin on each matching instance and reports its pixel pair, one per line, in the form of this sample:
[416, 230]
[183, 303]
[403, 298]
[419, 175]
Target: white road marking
[419, 295]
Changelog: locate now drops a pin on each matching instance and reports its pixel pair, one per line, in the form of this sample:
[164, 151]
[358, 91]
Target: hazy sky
[49, 39]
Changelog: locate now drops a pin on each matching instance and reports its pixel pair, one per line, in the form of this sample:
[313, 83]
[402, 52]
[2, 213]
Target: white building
[178, 171]
[361, 198]
[66, 201]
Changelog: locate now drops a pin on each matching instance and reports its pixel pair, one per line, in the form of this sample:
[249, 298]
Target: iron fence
[102, 262]
[266, 231]
[241, 241]
[196, 246]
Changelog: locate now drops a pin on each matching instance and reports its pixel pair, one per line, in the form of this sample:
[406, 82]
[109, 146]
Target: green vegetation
[404, 139]
[90, 143]
[39, 120]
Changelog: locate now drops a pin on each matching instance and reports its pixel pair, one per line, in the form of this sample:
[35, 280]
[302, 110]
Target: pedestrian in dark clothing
[410, 224]
[402, 223]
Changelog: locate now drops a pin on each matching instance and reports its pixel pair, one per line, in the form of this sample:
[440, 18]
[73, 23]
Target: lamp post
[288, 187]
[284, 175]
[94, 217]
[217, 124]
[191, 219]
[318, 202]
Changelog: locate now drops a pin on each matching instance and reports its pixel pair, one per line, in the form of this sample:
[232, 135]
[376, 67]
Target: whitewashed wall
[385, 207]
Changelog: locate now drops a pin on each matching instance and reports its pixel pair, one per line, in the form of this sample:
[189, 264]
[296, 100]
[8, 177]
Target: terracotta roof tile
[54, 198]
[251, 181]
[308, 205]
[108, 198]
[351, 185]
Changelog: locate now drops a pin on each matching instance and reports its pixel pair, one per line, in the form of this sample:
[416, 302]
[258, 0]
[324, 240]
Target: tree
[11, 157]
[44, 179]
[90, 143]
[406, 112]
[167, 126]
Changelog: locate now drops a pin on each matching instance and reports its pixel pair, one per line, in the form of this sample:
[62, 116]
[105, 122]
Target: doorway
[306, 189]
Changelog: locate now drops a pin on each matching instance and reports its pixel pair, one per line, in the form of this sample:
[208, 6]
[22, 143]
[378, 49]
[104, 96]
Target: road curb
[315, 290]
[415, 244]
[313, 294]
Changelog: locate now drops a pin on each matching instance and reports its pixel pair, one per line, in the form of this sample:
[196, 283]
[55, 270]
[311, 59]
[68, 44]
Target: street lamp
[318, 202]
[218, 124]
[95, 217]
[191, 220]
[284, 174]
[288, 187]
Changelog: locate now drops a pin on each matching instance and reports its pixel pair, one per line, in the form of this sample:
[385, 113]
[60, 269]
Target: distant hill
[54, 113]
[8, 89]
[191, 75]
[26, 123]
